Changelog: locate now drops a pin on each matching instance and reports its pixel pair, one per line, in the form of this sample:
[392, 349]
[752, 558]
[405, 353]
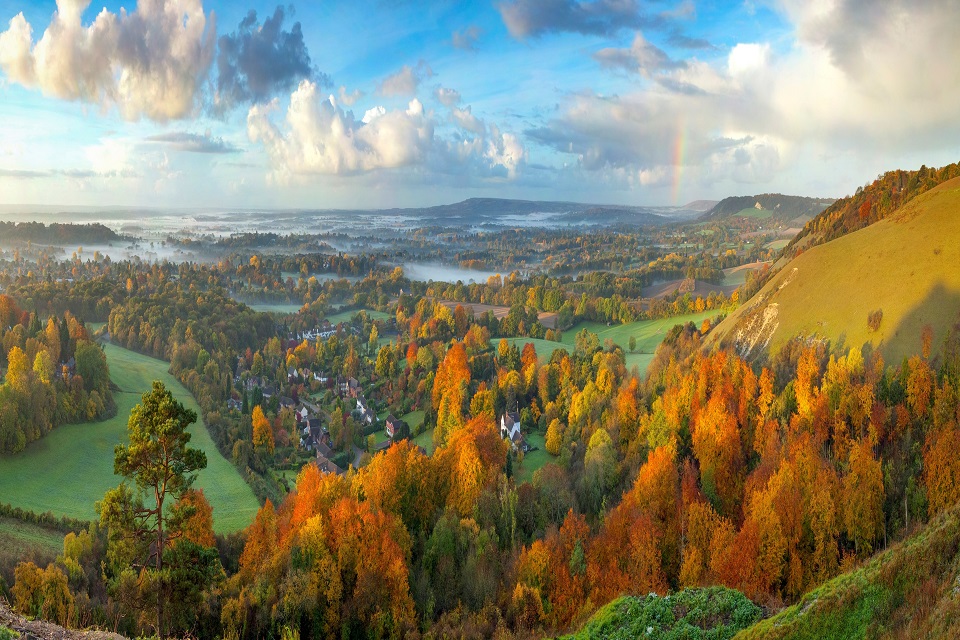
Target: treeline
[57, 233]
[53, 374]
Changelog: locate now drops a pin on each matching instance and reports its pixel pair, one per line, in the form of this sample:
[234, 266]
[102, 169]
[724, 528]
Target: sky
[384, 103]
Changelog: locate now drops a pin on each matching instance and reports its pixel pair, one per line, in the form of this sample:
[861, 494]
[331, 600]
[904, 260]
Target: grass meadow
[648, 333]
[72, 467]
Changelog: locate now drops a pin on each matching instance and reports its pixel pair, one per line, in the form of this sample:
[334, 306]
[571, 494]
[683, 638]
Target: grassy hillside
[71, 468]
[714, 613]
[909, 591]
[907, 265]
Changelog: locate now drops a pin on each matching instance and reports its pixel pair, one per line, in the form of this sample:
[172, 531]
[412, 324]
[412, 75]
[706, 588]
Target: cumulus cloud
[405, 81]
[193, 142]
[318, 137]
[465, 119]
[151, 62]
[258, 61]
[467, 39]
[642, 57]
[847, 86]
[447, 97]
[531, 18]
[349, 99]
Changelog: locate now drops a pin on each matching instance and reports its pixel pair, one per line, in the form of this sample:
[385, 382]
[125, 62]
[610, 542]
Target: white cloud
[349, 99]
[318, 137]
[405, 81]
[864, 80]
[746, 58]
[465, 119]
[447, 97]
[642, 57]
[151, 62]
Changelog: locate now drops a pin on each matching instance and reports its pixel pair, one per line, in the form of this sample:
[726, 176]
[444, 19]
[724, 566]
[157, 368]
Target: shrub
[874, 318]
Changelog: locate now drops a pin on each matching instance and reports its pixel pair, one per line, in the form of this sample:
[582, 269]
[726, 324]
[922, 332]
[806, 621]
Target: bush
[874, 318]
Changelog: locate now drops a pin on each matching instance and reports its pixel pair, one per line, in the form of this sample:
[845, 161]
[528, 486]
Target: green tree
[140, 520]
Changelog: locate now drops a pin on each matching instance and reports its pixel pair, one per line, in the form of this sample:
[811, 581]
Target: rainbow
[679, 149]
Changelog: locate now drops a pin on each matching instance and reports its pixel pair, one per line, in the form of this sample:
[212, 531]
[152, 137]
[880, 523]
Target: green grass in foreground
[713, 613]
[907, 591]
[72, 467]
[649, 335]
[534, 459]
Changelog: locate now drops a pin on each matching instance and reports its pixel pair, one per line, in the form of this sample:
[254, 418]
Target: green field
[649, 335]
[347, 316]
[907, 265]
[776, 245]
[758, 214]
[280, 307]
[533, 460]
[425, 440]
[72, 467]
[21, 539]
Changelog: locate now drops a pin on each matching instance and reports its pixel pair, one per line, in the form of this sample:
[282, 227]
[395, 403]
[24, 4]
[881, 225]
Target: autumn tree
[262, 431]
[863, 497]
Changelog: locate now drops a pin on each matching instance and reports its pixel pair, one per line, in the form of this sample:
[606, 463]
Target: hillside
[908, 591]
[870, 204]
[713, 613]
[907, 266]
[780, 207]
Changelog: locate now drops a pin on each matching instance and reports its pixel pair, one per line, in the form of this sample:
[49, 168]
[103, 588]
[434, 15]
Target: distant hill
[908, 591]
[906, 266]
[494, 210]
[700, 205]
[57, 233]
[783, 208]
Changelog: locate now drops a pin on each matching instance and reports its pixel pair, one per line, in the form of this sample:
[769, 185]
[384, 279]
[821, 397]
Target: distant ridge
[782, 207]
[700, 205]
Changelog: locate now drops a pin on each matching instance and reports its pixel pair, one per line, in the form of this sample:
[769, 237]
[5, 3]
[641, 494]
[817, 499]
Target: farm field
[759, 214]
[776, 245]
[22, 540]
[72, 467]
[649, 335]
[346, 316]
[738, 275]
[533, 460]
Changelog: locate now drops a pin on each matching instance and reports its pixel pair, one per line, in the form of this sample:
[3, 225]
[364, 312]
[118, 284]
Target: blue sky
[193, 103]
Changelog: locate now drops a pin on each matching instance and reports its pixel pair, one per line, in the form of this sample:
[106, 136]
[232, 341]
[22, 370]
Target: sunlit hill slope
[906, 266]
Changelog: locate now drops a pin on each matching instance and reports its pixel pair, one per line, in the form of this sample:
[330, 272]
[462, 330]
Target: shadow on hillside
[940, 310]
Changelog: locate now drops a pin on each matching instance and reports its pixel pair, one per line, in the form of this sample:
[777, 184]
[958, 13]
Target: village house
[392, 426]
[510, 429]
[327, 466]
